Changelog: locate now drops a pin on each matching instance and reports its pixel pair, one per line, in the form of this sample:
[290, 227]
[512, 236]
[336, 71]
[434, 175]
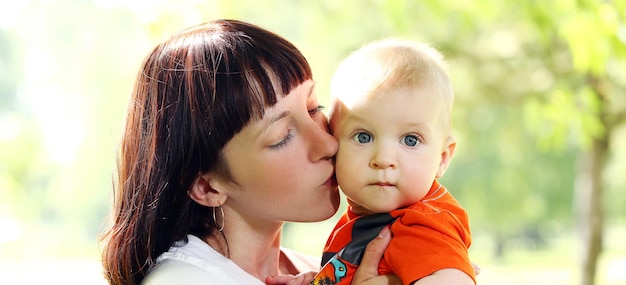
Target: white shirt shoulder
[195, 262]
[173, 271]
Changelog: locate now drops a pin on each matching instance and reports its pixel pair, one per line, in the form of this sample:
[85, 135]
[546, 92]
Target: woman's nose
[324, 144]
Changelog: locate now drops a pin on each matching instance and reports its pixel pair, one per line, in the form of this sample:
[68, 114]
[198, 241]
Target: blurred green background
[540, 118]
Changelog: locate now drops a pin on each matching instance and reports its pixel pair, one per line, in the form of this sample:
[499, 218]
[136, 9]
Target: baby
[392, 101]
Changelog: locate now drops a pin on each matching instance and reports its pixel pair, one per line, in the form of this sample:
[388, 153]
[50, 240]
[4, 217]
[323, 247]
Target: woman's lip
[331, 181]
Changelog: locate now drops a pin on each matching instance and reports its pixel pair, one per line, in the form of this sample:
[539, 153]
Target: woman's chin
[322, 213]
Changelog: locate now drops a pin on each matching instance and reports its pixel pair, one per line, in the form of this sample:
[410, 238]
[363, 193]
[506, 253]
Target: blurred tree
[591, 33]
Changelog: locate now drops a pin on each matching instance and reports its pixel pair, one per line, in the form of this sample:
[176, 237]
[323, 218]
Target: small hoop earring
[219, 228]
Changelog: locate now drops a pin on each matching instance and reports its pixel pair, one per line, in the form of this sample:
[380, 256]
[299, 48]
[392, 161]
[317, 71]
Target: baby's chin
[360, 210]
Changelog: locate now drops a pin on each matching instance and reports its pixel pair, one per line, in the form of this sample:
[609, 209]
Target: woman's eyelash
[283, 142]
[316, 110]
[289, 136]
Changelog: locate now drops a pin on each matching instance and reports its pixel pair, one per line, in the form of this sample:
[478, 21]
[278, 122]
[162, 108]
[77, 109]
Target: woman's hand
[367, 272]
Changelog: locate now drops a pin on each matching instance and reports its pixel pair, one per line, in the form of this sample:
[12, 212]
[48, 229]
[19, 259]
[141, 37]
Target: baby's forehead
[362, 95]
[409, 101]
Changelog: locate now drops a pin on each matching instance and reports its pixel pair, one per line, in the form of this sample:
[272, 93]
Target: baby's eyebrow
[417, 125]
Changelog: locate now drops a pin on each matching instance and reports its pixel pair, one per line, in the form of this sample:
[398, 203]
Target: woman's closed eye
[316, 110]
[283, 142]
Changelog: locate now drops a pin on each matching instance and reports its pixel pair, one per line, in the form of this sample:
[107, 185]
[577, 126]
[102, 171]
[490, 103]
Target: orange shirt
[430, 235]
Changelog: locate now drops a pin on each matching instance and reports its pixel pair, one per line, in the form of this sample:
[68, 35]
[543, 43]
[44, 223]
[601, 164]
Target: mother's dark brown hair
[194, 92]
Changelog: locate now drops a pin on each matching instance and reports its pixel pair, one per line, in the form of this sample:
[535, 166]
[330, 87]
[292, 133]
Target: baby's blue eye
[410, 140]
[363, 137]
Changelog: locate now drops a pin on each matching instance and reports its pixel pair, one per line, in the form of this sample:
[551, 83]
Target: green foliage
[589, 31]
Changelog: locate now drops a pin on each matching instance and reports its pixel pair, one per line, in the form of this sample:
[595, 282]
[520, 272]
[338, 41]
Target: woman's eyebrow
[273, 119]
[284, 114]
[278, 117]
[310, 92]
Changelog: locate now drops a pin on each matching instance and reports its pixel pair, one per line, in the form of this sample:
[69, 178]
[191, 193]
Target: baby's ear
[446, 155]
[208, 190]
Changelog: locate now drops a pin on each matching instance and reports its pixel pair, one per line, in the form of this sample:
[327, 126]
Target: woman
[224, 142]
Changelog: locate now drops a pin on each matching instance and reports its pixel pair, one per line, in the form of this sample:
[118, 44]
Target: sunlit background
[540, 117]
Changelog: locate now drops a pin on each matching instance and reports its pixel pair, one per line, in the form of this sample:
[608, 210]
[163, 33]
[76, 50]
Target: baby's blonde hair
[390, 64]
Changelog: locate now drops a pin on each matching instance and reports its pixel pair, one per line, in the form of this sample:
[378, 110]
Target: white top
[198, 263]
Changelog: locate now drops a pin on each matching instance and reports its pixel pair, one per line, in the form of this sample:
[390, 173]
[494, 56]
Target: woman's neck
[256, 250]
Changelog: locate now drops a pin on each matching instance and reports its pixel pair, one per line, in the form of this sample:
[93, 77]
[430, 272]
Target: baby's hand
[288, 279]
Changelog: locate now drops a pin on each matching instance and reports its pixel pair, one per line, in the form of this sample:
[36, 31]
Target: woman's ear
[207, 190]
[446, 155]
